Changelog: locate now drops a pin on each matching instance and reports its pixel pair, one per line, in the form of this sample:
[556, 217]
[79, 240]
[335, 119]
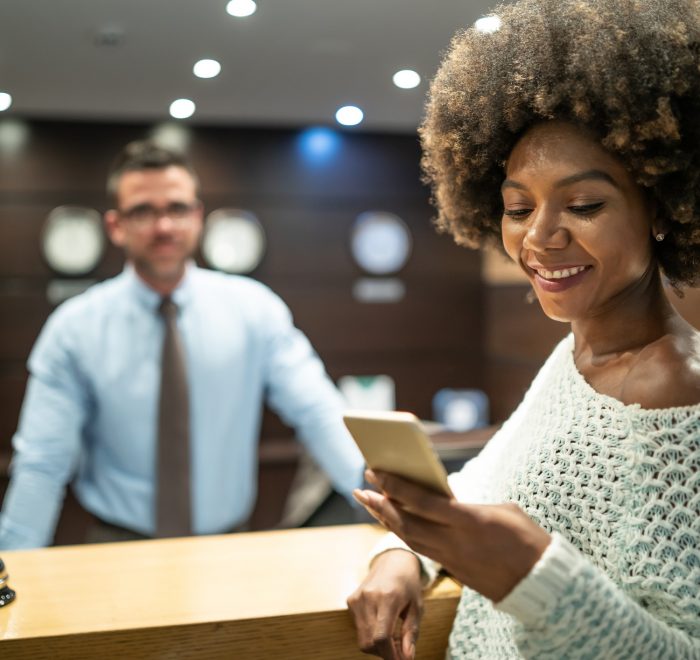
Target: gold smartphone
[395, 442]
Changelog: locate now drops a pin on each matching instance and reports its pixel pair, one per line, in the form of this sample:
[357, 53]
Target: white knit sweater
[619, 488]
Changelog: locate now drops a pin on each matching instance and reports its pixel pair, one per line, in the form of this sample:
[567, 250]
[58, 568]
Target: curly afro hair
[629, 70]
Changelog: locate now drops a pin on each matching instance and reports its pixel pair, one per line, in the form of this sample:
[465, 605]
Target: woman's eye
[586, 209]
[517, 213]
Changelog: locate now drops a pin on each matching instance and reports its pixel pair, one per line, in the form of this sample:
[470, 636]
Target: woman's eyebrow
[510, 183]
[599, 175]
[588, 175]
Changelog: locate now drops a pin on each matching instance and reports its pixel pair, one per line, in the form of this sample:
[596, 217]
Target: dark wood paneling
[23, 314]
[518, 339]
[517, 329]
[688, 305]
[506, 383]
[432, 318]
[272, 163]
[13, 380]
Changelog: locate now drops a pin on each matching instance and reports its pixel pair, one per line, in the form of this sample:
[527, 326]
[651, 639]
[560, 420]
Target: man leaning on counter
[146, 391]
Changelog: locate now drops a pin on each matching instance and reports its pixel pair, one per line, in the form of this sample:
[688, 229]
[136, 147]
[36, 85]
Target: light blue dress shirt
[91, 406]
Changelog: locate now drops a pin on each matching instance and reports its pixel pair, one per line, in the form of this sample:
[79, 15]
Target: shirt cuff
[429, 569]
[537, 593]
[17, 537]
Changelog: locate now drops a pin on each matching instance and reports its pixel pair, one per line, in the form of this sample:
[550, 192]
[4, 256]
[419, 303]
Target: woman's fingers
[413, 497]
[418, 532]
[393, 634]
[372, 502]
[380, 604]
[377, 619]
[409, 631]
[366, 608]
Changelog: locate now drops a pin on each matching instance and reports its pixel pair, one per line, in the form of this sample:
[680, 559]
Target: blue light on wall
[318, 145]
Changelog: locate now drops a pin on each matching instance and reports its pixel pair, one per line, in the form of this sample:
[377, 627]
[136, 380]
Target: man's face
[157, 222]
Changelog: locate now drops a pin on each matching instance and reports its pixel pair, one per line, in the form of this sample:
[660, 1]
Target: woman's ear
[660, 229]
[659, 225]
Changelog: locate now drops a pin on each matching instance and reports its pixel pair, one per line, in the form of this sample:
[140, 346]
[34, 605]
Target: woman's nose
[545, 231]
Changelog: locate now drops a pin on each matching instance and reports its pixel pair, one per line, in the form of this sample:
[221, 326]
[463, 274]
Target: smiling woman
[576, 532]
[574, 217]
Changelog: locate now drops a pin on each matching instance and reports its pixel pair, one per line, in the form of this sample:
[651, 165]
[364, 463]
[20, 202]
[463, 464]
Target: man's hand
[488, 548]
[388, 605]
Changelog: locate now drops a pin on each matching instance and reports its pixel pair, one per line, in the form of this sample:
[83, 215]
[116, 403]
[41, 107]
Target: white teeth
[560, 274]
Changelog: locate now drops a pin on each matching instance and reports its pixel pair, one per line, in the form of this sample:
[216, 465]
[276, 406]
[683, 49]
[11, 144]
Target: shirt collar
[150, 298]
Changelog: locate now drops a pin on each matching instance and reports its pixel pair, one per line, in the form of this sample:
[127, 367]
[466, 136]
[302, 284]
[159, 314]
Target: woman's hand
[388, 605]
[488, 548]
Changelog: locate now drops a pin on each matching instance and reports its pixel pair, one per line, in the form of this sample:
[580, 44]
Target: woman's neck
[636, 317]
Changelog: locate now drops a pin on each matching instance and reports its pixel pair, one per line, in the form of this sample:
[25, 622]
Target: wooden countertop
[255, 595]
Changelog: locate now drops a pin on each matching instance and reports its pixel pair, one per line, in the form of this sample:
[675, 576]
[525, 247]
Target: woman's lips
[559, 279]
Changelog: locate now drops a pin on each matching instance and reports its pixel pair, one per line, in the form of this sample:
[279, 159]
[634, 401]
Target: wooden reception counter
[261, 595]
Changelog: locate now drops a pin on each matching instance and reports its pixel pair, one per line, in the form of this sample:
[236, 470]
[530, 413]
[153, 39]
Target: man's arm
[302, 393]
[47, 442]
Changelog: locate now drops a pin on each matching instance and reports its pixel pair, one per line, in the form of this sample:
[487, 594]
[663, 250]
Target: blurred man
[146, 391]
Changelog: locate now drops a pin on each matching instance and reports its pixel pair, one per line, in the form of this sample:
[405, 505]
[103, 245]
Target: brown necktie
[173, 512]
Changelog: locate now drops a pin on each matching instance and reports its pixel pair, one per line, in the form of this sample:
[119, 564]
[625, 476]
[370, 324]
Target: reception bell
[7, 595]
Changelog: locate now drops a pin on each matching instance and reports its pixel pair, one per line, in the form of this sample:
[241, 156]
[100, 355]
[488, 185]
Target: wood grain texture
[261, 595]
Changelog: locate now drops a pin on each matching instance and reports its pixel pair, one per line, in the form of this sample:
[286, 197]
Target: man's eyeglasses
[146, 215]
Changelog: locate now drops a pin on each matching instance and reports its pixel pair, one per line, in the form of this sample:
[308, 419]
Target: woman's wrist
[532, 598]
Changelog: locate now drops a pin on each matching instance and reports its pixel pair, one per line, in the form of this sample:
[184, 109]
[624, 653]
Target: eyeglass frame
[146, 215]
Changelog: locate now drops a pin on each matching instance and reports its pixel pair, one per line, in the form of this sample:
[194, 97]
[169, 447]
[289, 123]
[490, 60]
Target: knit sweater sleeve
[567, 607]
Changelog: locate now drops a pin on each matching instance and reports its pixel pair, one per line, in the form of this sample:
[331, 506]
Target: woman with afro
[569, 133]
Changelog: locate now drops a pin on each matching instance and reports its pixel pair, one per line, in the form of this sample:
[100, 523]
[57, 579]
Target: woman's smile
[559, 278]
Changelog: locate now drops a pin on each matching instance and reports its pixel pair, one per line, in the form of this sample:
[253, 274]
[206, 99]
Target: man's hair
[627, 70]
[145, 155]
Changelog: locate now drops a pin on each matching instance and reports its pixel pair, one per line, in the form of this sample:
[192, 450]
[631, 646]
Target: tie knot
[168, 309]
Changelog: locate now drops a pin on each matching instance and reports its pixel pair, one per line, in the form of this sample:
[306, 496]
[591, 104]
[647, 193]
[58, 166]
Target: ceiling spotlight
[241, 8]
[488, 24]
[349, 115]
[5, 101]
[206, 69]
[406, 79]
[182, 108]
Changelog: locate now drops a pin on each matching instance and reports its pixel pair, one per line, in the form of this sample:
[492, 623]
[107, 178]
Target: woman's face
[575, 221]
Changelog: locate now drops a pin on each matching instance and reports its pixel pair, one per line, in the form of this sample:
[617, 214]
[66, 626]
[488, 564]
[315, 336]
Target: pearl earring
[660, 237]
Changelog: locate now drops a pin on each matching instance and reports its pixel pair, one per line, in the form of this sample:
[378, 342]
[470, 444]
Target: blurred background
[300, 117]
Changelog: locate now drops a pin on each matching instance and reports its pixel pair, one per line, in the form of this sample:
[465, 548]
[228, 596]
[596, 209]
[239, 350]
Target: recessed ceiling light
[5, 101]
[182, 108]
[406, 79]
[241, 8]
[349, 115]
[206, 69]
[488, 24]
